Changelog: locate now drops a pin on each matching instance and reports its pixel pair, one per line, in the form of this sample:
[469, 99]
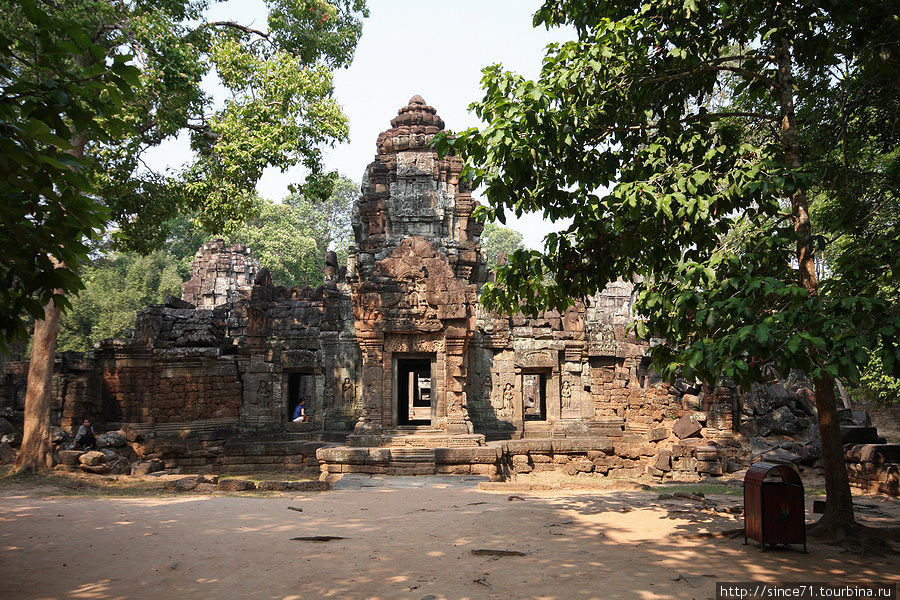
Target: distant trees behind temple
[116, 287]
[289, 238]
[497, 240]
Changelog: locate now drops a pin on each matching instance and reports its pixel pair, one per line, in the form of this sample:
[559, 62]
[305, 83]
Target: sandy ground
[406, 538]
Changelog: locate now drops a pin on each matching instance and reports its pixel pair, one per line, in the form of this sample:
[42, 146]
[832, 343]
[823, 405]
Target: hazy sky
[434, 49]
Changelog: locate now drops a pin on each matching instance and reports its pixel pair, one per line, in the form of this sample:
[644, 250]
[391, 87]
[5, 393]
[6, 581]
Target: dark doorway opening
[534, 396]
[414, 397]
[300, 388]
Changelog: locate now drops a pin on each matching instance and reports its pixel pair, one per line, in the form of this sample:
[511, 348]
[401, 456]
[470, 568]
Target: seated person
[85, 438]
[299, 414]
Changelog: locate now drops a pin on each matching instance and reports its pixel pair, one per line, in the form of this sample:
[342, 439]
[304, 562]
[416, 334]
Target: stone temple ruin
[401, 370]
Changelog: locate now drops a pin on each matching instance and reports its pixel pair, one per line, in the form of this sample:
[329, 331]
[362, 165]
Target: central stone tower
[414, 277]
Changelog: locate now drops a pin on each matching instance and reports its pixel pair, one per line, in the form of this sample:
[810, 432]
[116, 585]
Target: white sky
[434, 49]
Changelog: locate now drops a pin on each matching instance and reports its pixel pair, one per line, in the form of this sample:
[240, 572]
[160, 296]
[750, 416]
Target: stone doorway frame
[314, 407]
[396, 357]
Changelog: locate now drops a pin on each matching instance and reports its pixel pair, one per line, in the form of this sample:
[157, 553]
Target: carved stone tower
[414, 276]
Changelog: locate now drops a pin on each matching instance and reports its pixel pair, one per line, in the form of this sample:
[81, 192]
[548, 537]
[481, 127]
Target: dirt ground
[403, 538]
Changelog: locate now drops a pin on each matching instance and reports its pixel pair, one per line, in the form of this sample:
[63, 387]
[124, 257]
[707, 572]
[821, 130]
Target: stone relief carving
[328, 394]
[567, 396]
[507, 401]
[604, 338]
[348, 392]
[264, 395]
[486, 388]
[299, 358]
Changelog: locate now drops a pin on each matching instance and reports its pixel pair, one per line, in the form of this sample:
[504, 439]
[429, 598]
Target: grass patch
[269, 476]
[60, 483]
[707, 489]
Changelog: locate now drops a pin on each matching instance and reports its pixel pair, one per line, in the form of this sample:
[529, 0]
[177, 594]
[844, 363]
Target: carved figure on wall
[508, 398]
[348, 392]
[486, 388]
[567, 395]
[371, 396]
[329, 393]
[264, 394]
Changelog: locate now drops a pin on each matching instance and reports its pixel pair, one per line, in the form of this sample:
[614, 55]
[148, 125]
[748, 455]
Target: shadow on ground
[406, 538]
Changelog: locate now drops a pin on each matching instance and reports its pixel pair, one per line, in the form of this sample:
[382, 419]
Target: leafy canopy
[291, 238]
[115, 289]
[56, 86]
[676, 134]
[112, 80]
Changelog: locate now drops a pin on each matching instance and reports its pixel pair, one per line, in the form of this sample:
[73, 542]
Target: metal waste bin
[774, 507]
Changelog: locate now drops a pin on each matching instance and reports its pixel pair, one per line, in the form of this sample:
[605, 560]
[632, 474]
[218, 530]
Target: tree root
[854, 537]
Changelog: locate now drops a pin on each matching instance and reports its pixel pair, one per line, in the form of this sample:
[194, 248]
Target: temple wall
[168, 386]
[566, 391]
[219, 275]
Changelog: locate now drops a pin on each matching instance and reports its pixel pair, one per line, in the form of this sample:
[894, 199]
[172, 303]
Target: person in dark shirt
[299, 415]
[85, 438]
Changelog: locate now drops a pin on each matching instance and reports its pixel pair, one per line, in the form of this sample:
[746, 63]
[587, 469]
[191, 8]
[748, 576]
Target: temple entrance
[415, 402]
[301, 389]
[534, 396]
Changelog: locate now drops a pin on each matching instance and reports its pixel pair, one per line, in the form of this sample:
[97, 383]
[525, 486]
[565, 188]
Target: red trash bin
[774, 507]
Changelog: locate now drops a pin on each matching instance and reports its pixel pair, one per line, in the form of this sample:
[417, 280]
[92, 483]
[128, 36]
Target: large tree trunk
[838, 518]
[36, 452]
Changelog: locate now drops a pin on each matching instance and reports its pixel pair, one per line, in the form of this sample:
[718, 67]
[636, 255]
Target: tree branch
[238, 26]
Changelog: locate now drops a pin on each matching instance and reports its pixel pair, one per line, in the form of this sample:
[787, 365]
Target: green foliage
[278, 110]
[115, 289]
[497, 240]
[329, 220]
[658, 132]
[877, 384]
[291, 239]
[48, 79]
[67, 89]
[280, 239]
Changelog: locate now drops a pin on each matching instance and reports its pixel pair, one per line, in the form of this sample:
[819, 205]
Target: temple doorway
[534, 396]
[415, 401]
[301, 390]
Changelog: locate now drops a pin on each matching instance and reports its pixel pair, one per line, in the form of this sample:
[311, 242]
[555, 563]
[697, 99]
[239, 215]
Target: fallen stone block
[657, 434]
[69, 457]
[185, 484]
[663, 460]
[111, 439]
[272, 486]
[235, 485]
[308, 486]
[146, 467]
[583, 466]
[710, 467]
[98, 469]
[706, 453]
[93, 458]
[687, 427]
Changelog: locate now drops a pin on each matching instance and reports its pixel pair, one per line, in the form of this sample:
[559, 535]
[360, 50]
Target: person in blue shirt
[299, 415]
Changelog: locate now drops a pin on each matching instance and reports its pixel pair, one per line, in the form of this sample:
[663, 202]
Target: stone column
[458, 422]
[370, 422]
